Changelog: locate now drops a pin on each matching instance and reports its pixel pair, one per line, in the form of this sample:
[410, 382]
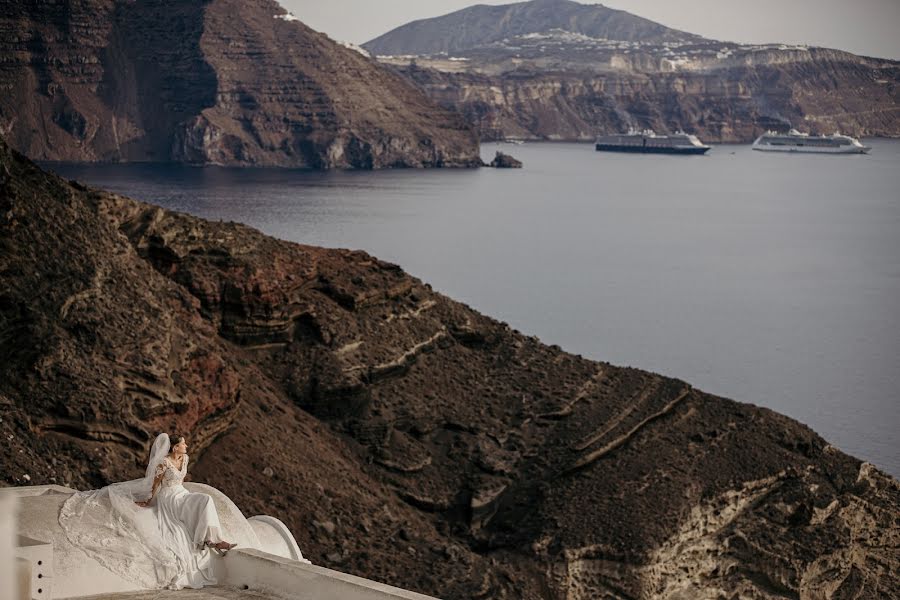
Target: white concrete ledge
[267, 562]
[34, 490]
[275, 537]
[15, 573]
[255, 570]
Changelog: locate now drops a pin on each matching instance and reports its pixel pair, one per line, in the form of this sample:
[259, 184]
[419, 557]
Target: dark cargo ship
[647, 142]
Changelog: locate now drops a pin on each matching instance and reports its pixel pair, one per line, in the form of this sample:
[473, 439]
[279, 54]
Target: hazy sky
[868, 27]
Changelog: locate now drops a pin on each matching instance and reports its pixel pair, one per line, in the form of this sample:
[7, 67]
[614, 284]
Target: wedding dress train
[161, 546]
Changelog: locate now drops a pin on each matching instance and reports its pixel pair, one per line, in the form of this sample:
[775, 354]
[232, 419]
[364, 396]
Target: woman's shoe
[220, 548]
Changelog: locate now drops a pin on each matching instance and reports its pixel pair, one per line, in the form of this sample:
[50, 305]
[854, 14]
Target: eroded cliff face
[560, 70]
[819, 91]
[401, 435]
[218, 82]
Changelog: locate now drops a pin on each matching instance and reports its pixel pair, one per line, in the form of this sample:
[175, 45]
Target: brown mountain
[556, 78]
[208, 82]
[483, 25]
[401, 435]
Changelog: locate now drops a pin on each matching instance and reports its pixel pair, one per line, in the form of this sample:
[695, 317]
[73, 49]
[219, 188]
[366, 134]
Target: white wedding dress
[161, 546]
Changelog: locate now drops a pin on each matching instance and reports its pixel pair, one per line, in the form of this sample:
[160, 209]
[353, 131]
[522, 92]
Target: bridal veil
[119, 534]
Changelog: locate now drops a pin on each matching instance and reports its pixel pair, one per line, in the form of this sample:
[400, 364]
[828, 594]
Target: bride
[151, 531]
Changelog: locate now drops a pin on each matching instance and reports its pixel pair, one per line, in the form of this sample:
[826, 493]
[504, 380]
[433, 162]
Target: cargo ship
[794, 141]
[647, 142]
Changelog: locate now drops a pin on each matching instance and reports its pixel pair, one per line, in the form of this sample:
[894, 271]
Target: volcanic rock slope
[208, 82]
[401, 435]
[556, 69]
[483, 25]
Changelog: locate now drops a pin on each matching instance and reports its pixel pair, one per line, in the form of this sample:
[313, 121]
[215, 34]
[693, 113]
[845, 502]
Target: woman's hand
[143, 503]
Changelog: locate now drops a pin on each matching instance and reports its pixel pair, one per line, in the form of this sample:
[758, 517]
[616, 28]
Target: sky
[867, 27]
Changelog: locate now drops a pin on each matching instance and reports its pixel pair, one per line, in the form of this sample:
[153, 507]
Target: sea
[767, 278]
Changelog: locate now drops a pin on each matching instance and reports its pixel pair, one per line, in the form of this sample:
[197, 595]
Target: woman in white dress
[151, 531]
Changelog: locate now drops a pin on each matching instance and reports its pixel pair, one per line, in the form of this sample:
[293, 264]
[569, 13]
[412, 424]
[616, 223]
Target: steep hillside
[484, 25]
[401, 435]
[218, 82]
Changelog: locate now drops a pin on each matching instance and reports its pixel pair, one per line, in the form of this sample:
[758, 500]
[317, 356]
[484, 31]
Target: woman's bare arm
[156, 483]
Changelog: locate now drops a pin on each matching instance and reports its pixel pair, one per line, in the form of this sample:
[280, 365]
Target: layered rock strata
[221, 82]
[401, 435]
[822, 91]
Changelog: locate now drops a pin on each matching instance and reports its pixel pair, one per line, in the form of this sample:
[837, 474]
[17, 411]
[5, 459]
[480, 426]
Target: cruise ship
[794, 141]
[647, 142]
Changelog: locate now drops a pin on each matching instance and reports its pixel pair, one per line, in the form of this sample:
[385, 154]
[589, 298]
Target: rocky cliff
[401, 435]
[556, 79]
[732, 105]
[208, 82]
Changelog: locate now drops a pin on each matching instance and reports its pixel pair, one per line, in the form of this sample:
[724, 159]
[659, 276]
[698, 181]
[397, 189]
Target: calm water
[769, 279]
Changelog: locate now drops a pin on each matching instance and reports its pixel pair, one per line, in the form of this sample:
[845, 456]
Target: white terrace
[38, 562]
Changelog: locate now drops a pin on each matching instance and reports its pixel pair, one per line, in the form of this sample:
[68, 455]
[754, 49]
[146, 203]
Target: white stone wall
[7, 547]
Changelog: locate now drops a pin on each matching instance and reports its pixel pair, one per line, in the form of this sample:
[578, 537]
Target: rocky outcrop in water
[505, 161]
[220, 82]
[558, 79]
[402, 435]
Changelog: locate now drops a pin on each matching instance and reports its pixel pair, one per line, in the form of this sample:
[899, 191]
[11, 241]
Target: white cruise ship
[794, 141]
